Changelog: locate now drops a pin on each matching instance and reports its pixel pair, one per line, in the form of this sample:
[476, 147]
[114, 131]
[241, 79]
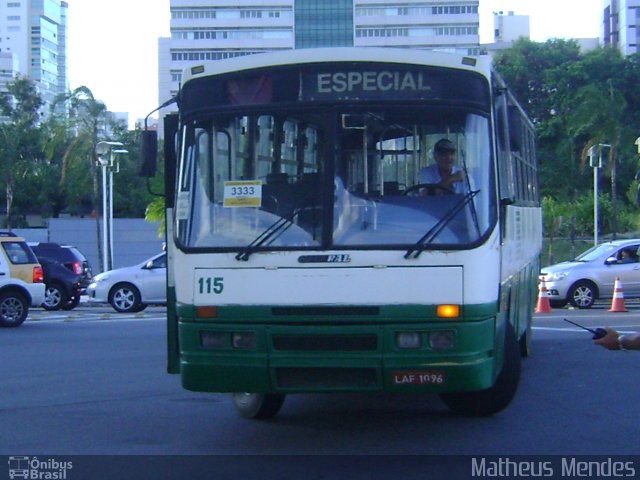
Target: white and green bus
[306, 253]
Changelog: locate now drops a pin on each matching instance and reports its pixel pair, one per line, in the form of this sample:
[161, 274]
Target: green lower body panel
[216, 357]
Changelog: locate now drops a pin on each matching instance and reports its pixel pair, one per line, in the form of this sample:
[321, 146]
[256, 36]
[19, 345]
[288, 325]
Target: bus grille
[326, 343]
[325, 311]
[326, 377]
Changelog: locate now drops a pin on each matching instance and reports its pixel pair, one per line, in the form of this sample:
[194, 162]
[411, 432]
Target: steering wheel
[427, 189]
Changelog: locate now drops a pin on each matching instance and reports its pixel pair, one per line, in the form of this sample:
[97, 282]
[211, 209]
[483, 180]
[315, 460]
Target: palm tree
[155, 212]
[86, 116]
[601, 116]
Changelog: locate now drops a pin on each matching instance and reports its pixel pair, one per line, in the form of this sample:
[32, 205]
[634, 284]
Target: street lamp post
[637, 144]
[107, 153]
[596, 163]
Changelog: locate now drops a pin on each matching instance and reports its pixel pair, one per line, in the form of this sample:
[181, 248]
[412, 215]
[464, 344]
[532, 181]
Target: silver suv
[592, 274]
[21, 280]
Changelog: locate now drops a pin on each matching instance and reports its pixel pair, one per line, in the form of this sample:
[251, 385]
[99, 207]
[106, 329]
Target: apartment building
[33, 43]
[8, 69]
[621, 25]
[203, 30]
[509, 27]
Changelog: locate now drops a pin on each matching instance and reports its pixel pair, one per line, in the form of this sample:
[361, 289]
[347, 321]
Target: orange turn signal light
[448, 311]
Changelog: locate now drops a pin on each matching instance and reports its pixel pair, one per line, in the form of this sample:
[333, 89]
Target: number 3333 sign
[243, 193]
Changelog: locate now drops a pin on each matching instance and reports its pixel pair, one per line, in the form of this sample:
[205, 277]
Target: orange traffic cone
[617, 303]
[544, 306]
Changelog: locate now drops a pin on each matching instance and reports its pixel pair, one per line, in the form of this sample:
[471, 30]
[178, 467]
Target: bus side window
[203, 159]
[263, 150]
[221, 162]
[505, 161]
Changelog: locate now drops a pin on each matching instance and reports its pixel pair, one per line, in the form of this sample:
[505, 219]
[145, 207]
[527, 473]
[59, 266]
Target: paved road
[92, 382]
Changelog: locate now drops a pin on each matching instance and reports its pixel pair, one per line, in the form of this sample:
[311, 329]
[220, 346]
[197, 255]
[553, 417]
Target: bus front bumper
[297, 359]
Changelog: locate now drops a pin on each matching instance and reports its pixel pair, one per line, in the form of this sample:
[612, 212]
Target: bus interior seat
[311, 178]
[391, 188]
[311, 187]
[359, 191]
[277, 178]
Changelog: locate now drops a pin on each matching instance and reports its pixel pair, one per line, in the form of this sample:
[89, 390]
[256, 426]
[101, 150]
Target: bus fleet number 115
[208, 285]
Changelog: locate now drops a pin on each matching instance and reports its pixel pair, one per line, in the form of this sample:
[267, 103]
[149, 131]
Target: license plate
[418, 377]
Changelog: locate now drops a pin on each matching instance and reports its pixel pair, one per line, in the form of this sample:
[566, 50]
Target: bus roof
[339, 54]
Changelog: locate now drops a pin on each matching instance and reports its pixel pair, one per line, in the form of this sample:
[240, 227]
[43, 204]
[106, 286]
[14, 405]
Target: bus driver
[444, 172]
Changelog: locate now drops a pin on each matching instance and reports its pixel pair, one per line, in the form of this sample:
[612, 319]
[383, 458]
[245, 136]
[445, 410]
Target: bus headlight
[408, 340]
[442, 339]
[212, 339]
[244, 340]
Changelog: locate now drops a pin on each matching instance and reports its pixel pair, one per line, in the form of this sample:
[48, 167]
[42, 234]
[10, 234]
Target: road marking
[100, 320]
[570, 329]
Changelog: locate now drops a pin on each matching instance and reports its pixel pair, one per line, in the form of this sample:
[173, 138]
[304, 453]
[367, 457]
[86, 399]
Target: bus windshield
[344, 176]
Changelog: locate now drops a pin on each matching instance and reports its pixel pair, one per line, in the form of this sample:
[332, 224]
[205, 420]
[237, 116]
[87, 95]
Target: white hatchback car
[21, 280]
[132, 289]
[592, 274]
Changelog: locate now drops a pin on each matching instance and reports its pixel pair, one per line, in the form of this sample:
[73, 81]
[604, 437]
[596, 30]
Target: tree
[538, 75]
[600, 114]
[576, 101]
[69, 190]
[155, 212]
[130, 193]
[530, 69]
[86, 115]
[20, 145]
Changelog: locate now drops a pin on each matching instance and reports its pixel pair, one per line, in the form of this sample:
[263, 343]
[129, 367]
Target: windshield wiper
[427, 238]
[269, 234]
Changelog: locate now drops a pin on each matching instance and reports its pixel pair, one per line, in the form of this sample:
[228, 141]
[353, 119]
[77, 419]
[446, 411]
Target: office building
[621, 25]
[203, 30]
[8, 69]
[506, 30]
[33, 43]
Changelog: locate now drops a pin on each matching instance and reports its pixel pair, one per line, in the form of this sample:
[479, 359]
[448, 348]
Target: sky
[113, 45]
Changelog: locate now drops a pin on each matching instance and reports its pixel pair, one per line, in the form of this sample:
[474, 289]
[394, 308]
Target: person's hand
[610, 340]
[453, 178]
[458, 176]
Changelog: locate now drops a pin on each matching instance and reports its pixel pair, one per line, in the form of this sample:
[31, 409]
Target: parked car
[67, 274]
[21, 280]
[592, 274]
[132, 289]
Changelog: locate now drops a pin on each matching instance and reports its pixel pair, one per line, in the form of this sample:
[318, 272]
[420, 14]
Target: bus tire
[257, 405]
[525, 342]
[496, 398]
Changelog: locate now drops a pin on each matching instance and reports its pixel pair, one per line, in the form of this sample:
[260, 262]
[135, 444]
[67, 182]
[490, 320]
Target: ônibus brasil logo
[33, 468]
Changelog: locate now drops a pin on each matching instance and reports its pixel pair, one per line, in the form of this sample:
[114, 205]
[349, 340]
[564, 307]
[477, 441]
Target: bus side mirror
[148, 153]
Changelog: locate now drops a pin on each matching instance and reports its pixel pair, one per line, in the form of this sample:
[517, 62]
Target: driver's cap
[444, 145]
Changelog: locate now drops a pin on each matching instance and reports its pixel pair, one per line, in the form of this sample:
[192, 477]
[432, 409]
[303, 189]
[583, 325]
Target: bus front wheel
[498, 397]
[257, 405]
